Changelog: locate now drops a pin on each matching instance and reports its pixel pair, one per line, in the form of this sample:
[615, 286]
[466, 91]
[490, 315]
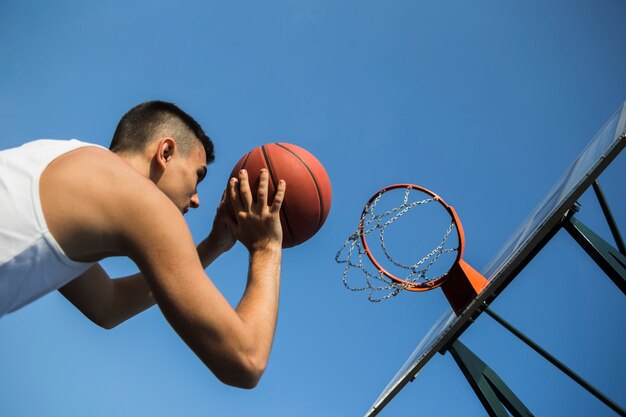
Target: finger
[244, 190]
[233, 190]
[225, 204]
[225, 208]
[223, 200]
[262, 191]
[279, 197]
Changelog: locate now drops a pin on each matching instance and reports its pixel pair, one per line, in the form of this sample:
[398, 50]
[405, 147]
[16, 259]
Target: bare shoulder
[91, 163]
[93, 201]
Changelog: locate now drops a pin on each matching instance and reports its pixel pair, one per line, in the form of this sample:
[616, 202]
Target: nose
[195, 201]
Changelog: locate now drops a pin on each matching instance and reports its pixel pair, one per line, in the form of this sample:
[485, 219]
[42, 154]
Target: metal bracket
[606, 256]
[554, 361]
[492, 392]
[611, 260]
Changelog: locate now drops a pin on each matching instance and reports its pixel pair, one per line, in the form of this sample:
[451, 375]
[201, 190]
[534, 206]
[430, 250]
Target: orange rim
[414, 286]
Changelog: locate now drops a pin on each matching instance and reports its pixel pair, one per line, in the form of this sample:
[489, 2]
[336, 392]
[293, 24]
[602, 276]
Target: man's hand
[222, 235]
[258, 225]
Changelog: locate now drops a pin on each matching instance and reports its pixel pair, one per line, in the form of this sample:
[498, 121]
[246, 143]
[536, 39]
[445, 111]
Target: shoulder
[93, 201]
[87, 152]
[99, 175]
[96, 170]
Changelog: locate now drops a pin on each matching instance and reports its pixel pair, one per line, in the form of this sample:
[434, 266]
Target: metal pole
[609, 218]
[590, 388]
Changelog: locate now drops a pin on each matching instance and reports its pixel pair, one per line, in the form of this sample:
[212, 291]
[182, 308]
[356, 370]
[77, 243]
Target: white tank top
[32, 263]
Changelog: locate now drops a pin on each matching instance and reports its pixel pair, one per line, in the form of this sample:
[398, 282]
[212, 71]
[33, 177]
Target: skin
[99, 204]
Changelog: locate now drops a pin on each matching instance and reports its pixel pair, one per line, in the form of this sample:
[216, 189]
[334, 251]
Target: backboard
[536, 230]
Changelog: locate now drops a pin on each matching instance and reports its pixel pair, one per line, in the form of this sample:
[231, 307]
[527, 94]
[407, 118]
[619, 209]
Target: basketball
[308, 196]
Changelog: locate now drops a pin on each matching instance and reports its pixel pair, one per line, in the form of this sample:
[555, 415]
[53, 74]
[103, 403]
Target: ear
[165, 151]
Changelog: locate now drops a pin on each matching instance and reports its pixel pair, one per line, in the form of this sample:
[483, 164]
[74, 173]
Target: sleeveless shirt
[32, 263]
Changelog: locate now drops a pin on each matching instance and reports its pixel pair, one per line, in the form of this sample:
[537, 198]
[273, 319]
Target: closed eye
[201, 174]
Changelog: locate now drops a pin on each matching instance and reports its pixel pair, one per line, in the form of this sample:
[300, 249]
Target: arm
[109, 302]
[109, 217]
[234, 343]
[105, 301]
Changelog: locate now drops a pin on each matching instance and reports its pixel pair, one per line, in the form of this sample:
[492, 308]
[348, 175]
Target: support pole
[492, 392]
[609, 218]
[587, 386]
[612, 262]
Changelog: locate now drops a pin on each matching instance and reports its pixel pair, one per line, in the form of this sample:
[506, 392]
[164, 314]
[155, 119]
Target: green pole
[609, 218]
[587, 386]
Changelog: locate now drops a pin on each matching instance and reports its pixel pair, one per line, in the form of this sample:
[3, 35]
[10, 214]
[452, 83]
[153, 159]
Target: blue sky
[485, 103]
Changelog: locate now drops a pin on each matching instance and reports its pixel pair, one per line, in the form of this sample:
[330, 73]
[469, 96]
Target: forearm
[105, 301]
[208, 251]
[258, 308]
[234, 344]
[131, 296]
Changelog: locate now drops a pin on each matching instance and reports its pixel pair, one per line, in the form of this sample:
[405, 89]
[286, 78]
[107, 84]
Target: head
[166, 145]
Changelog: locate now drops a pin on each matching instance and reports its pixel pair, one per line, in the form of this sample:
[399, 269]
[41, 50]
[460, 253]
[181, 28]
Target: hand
[222, 234]
[257, 224]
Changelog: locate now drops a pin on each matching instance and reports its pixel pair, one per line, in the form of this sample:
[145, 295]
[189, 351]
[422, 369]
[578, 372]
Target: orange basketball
[308, 196]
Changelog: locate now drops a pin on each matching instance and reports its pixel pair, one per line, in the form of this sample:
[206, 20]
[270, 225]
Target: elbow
[251, 377]
[244, 373]
[243, 381]
[104, 321]
[108, 325]
[100, 317]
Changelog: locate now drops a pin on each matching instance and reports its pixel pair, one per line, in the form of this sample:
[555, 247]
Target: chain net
[380, 286]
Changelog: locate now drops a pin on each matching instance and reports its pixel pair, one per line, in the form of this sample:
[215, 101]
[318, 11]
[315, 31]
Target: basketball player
[65, 205]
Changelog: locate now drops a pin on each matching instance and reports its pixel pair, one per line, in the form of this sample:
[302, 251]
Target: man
[65, 205]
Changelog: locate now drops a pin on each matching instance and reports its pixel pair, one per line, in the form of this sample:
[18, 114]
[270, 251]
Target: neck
[138, 162]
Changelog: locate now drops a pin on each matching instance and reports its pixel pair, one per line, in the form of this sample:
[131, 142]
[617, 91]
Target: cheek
[185, 183]
[193, 185]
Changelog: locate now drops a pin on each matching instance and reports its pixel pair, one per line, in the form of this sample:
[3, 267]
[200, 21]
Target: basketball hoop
[460, 282]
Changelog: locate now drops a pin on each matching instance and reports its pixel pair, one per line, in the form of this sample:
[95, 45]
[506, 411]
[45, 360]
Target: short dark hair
[147, 121]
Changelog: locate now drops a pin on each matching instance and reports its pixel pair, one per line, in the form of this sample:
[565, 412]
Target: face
[181, 175]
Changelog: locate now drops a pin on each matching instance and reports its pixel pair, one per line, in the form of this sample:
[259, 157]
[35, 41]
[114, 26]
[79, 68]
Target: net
[361, 274]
